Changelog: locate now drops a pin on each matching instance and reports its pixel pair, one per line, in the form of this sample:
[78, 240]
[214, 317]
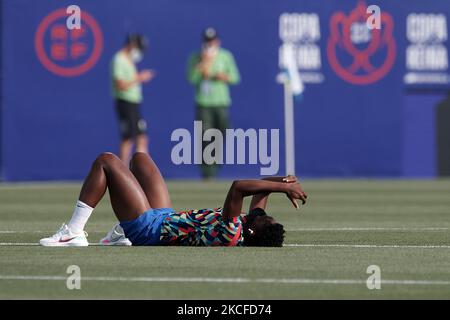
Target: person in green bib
[127, 92]
[211, 71]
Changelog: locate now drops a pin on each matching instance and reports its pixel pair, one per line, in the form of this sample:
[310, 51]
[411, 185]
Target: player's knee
[106, 158]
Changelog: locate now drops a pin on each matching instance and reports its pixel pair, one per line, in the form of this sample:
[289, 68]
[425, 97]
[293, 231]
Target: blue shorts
[146, 229]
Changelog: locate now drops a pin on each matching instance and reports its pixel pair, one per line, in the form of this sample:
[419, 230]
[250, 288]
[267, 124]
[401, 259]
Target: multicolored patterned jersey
[205, 227]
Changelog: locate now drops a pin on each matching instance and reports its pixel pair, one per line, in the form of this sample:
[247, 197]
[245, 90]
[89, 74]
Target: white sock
[80, 217]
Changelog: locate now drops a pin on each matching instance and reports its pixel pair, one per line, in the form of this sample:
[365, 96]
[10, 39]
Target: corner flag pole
[289, 128]
[293, 86]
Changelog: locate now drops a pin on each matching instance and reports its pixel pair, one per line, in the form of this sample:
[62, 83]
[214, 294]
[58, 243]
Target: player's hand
[290, 179]
[146, 75]
[295, 192]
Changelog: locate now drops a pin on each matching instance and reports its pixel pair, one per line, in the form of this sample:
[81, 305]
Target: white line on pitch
[13, 231]
[5, 244]
[304, 245]
[12, 244]
[227, 280]
[40, 231]
[373, 229]
[368, 246]
[293, 229]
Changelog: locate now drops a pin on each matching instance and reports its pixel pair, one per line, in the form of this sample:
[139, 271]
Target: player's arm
[244, 188]
[260, 200]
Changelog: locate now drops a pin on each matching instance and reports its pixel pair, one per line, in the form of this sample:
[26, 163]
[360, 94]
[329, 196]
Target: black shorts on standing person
[131, 123]
[127, 91]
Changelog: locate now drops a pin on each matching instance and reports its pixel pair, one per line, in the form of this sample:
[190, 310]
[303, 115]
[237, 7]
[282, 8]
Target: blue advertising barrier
[364, 112]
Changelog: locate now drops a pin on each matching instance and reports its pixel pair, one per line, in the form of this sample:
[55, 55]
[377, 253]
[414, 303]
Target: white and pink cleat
[64, 237]
[115, 237]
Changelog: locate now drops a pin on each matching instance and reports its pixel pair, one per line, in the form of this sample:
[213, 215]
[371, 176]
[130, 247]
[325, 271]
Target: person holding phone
[127, 92]
[211, 71]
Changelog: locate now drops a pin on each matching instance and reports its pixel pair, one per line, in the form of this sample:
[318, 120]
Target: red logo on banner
[363, 63]
[65, 52]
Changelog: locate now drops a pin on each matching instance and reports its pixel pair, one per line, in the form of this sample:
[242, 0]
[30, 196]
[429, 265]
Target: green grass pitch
[401, 226]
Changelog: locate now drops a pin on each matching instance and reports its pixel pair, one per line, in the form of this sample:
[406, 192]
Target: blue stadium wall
[57, 115]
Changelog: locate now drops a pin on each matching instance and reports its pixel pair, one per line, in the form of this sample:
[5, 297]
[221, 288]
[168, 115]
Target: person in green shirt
[211, 71]
[127, 92]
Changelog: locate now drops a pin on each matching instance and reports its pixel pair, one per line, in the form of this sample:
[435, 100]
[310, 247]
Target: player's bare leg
[128, 200]
[152, 183]
[127, 197]
[149, 177]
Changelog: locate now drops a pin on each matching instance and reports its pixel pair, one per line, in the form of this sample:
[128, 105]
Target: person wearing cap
[127, 92]
[211, 71]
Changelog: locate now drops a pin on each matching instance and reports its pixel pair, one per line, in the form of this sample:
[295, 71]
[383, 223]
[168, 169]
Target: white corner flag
[290, 66]
[293, 86]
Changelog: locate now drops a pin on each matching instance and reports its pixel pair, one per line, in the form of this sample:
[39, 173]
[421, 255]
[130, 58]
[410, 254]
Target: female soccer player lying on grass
[141, 203]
